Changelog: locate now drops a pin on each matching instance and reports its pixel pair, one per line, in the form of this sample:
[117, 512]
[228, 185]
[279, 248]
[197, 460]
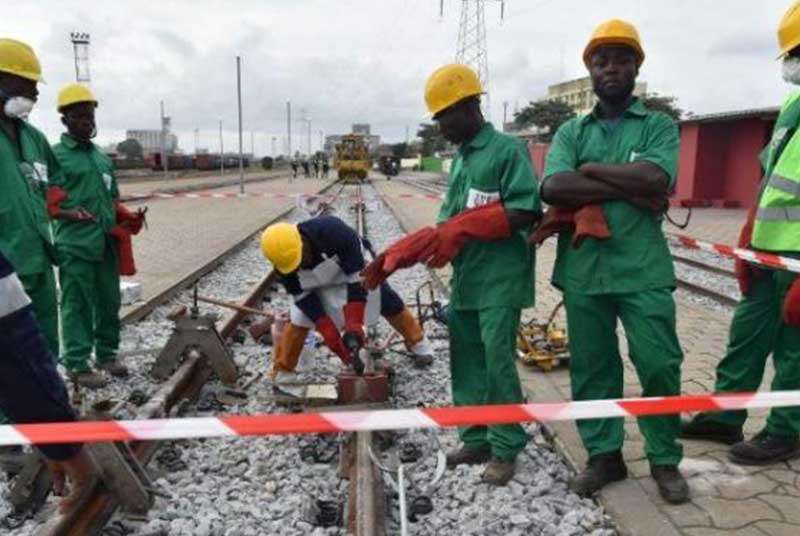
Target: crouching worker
[31, 391]
[319, 261]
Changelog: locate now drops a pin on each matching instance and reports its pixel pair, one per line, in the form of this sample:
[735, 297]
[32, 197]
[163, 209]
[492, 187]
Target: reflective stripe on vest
[778, 214]
[12, 295]
[787, 186]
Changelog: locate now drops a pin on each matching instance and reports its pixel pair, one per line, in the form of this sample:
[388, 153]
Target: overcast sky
[347, 61]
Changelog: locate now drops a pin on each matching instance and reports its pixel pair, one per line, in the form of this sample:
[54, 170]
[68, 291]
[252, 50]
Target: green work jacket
[26, 169]
[490, 167]
[636, 257]
[88, 179]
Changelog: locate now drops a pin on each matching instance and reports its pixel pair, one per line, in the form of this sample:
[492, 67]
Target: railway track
[722, 298]
[180, 387]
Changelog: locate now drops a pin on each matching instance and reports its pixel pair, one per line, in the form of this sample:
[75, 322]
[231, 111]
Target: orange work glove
[791, 305]
[122, 235]
[590, 221]
[409, 250]
[487, 222]
[745, 272]
[128, 218]
[554, 221]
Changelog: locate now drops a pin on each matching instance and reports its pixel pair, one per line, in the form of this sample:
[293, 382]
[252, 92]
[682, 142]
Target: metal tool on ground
[236, 307]
[196, 333]
[543, 345]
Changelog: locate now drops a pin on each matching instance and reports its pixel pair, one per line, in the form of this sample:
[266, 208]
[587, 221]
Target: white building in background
[150, 140]
[579, 94]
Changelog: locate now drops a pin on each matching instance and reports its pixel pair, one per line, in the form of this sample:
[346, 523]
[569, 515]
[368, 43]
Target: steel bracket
[196, 332]
[124, 477]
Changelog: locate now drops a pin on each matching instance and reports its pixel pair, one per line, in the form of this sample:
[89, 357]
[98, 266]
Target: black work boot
[469, 456]
[765, 448]
[671, 484]
[498, 472]
[702, 428]
[601, 470]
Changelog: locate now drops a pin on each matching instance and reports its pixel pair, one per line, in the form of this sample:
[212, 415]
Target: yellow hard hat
[614, 32]
[450, 84]
[19, 59]
[282, 245]
[789, 30]
[73, 94]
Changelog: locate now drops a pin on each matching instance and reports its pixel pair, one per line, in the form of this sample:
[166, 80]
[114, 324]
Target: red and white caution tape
[756, 257]
[234, 195]
[392, 419]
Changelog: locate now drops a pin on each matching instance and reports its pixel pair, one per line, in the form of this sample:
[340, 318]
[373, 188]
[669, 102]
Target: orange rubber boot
[406, 324]
[287, 351]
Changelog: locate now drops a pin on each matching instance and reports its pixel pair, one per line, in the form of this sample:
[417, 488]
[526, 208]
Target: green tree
[131, 149]
[663, 103]
[432, 139]
[546, 114]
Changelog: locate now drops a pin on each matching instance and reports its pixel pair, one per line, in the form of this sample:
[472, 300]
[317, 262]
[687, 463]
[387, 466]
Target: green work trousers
[483, 371]
[756, 331]
[596, 369]
[90, 302]
[41, 289]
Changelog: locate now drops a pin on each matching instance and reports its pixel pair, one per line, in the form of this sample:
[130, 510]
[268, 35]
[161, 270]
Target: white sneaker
[422, 353]
[286, 383]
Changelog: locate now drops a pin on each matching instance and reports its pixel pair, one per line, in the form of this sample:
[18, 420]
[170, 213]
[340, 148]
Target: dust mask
[791, 70]
[17, 107]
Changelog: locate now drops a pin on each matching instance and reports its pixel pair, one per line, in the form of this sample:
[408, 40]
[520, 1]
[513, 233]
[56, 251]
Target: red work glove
[330, 334]
[407, 251]
[791, 305]
[55, 196]
[554, 221]
[745, 272]
[590, 221]
[354, 320]
[128, 218]
[487, 222]
[124, 249]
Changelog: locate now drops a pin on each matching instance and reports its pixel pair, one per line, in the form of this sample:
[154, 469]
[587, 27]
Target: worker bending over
[319, 261]
[767, 319]
[90, 225]
[621, 159]
[491, 204]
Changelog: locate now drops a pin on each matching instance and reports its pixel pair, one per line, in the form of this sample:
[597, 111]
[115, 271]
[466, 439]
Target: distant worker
[27, 165]
[90, 226]
[294, 168]
[490, 206]
[31, 390]
[767, 319]
[621, 159]
[326, 167]
[306, 172]
[316, 168]
[319, 261]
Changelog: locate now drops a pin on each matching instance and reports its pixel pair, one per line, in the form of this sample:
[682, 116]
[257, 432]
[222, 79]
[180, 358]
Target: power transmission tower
[471, 48]
[80, 45]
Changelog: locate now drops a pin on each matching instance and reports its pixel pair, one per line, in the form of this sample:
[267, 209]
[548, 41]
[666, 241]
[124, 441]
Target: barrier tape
[756, 257]
[233, 195]
[391, 419]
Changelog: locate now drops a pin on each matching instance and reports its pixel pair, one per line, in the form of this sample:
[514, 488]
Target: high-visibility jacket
[777, 225]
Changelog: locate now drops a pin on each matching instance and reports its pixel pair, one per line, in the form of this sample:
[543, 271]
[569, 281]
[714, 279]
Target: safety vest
[777, 225]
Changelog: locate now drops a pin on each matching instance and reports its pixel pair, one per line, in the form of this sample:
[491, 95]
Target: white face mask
[791, 70]
[18, 107]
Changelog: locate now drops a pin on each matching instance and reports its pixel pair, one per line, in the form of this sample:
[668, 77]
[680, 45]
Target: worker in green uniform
[767, 319]
[27, 166]
[491, 203]
[85, 203]
[623, 157]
